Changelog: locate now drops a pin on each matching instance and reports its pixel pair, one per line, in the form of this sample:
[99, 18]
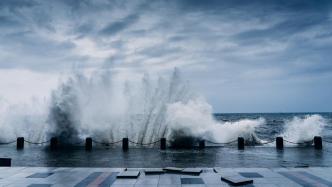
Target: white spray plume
[108, 108]
[303, 129]
[195, 118]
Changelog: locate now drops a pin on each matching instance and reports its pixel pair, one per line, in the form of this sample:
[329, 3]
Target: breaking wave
[144, 112]
[303, 129]
[194, 119]
[107, 107]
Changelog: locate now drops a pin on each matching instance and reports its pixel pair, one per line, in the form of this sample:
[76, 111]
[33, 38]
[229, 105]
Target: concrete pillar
[125, 143]
[240, 143]
[54, 143]
[318, 142]
[279, 143]
[20, 143]
[88, 144]
[162, 143]
[201, 144]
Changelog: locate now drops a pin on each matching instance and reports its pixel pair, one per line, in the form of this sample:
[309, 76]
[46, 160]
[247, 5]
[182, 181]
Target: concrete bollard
[20, 143]
[125, 143]
[162, 143]
[54, 143]
[88, 144]
[279, 143]
[318, 142]
[5, 162]
[201, 144]
[240, 143]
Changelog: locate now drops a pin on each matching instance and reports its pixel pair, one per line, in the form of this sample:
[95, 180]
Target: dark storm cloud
[200, 29]
[229, 42]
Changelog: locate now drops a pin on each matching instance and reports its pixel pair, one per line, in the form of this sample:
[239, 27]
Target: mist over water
[107, 108]
[27, 119]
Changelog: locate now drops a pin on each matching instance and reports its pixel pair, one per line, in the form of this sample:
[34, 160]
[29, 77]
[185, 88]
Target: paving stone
[40, 175]
[265, 185]
[213, 179]
[40, 185]
[217, 170]
[147, 181]
[126, 182]
[5, 162]
[306, 179]
[89, 179]
[169, 179]
[128, 174]
[146, 185]
[192, 181]
[236, 180]
[153, 171]
[194, 171]
[106, 177]
[251, 174]
[173, 169]
[193, 185]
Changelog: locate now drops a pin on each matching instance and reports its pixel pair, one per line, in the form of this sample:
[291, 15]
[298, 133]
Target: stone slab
[40, 175]
[192, 181]
[236, 180]
[194, 171]
[251, 174]
[173, 169]
[128, 175]
[5, 162]
[150, 171]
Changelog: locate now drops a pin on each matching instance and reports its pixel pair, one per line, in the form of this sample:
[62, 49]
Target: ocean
[294, 127]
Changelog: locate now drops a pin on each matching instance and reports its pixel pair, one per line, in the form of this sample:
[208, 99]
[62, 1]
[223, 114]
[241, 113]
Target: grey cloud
[84, 30]
[34, 52]
[177, 38]
[76, 4]
[284, 29]
[259, 6]
[15, 4]
[6, 21]
[118, 26]
[158, 51]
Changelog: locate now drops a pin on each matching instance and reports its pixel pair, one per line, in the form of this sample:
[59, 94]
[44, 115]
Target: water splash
[143, 112]
[107, 108]
[303, 129]
[194, 119]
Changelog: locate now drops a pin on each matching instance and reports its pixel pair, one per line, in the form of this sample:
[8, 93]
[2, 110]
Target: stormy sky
[243, 56]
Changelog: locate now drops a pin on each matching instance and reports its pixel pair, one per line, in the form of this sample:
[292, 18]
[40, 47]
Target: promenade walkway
[210, 177]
